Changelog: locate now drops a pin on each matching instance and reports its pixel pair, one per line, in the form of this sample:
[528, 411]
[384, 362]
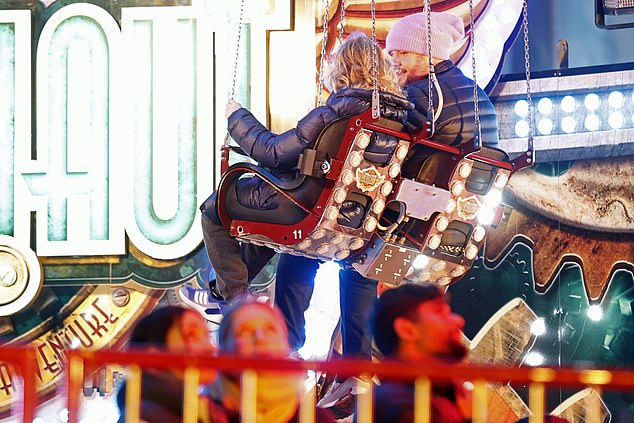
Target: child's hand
[232, 106]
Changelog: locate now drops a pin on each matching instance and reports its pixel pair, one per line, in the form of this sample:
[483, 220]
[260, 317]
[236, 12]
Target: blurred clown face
[258, 331]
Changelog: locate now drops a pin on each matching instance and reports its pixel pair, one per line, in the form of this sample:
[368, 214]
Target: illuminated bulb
[501, 180]
[450, 206]
[507, 16]
[323, 249]
[464, 170]
[592, 101]
[318, 234]
[568, 124]
[331, 213]
[457, 187]
[401, 152]
[363, 139]
[616, 99]
[342, 254]
[538, 327]
[486, 215]
[441, 223]
[420, 261]
[615, 120]
[471, 252]
[434, 241]
[493, 41]
[378, 206]
[493, 198]
[355, 158]
[439, 266]
[386, 188]
[534, 358]
[347, 177]
[592, 122]
[521, 128]
[339, 195]
[424, 277]
[394, 170]
[337, 239]
[356, 243]
[521, 108]
[458, 271]
[63, 415]
[545, 126]
[444, 281]
[370, 224]
[595, 313]
[491, 23]
[545, 106]
[568, 104]
[478, 234]
[304, 244]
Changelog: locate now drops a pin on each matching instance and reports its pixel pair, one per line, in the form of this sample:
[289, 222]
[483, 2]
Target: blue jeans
[293, 288]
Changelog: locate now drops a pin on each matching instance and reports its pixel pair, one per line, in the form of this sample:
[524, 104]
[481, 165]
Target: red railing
[536, 378]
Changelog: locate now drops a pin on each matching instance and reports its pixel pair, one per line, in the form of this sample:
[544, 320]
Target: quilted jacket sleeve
[278, 151]
[417, 117]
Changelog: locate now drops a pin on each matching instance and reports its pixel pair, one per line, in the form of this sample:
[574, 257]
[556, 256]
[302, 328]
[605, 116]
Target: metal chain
[476, 106]
[376, 110]
[322, 61]
[235, 62]
[527, 68]
[342, 19]
[430, 104]
[232, 94]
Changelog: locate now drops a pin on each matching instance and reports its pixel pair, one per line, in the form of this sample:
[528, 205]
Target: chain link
[322, 60]
[376, 109]
[235, 62]
[430, 104]
[527, 69]
[342, 19]
[476, 105]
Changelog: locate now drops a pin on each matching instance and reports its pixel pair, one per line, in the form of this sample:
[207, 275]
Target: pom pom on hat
[408, 34]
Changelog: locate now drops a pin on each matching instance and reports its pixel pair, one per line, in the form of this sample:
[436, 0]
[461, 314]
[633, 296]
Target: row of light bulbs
[347, 243]
[425, 266]
[617, 113]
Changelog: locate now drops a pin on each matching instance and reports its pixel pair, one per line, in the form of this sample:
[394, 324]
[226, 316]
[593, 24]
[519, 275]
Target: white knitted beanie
[408, 34]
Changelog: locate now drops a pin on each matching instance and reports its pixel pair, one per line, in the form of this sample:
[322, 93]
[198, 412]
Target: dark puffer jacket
[456, 124]
[280, 152]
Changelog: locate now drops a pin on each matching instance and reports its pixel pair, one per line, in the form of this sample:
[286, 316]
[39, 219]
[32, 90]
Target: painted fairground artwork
[111, 123]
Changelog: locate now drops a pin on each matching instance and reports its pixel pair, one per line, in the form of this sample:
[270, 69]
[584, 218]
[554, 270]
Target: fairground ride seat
[423, 225]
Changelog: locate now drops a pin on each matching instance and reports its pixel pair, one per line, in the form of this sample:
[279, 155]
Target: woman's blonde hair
[351, 66]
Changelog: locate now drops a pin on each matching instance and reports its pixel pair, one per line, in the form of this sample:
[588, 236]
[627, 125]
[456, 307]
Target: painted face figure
[409, 67]
[258, 331]
[191, 335]
[438, 331]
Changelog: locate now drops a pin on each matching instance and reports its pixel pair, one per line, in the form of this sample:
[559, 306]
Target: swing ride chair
[424, 228]
[440, 224]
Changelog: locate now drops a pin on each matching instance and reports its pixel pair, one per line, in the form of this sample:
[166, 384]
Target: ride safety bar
[79, 362]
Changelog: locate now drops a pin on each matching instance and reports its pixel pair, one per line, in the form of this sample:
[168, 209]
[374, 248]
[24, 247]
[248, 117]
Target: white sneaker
[205, 301]
[340, 398]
